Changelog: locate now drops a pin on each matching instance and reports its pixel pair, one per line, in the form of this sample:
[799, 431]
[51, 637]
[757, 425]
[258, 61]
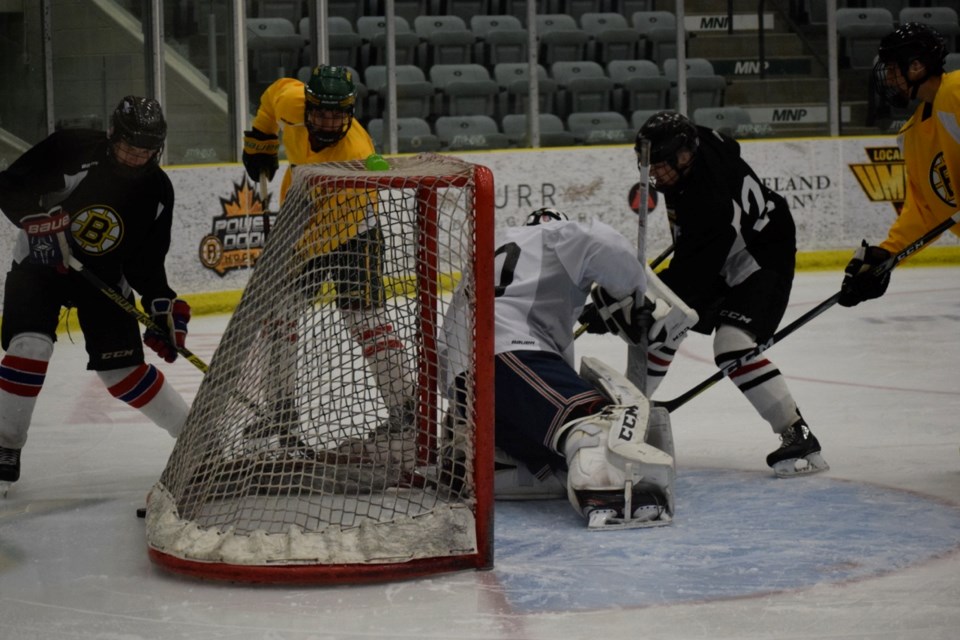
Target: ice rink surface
[869, 549]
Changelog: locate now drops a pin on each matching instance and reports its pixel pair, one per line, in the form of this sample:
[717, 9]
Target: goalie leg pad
[615, 479]
[611, 383]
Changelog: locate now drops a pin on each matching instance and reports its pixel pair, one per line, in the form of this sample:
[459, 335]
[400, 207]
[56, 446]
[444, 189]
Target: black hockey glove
[590, 318]
[859, 281]
[621, 316]
[47, 235]
[171, 316]
[260, 154]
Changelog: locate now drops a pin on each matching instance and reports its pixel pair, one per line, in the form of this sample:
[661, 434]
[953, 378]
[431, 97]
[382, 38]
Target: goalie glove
[171, 317]
[618, 315]
[260, 154]
[591, 321]
[47, 237]
[859, 281]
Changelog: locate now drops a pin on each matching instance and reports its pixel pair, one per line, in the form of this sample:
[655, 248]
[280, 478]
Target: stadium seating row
[488, 40]
[292, 10]
[623, 86]
[859, 30]
[278, 48]
[477, 132]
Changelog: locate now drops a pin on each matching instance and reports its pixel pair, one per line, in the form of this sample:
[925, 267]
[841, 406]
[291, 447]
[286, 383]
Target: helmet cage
[669, 133]
[545, 214]
[909, 42]
[138, 122]
[330, 89]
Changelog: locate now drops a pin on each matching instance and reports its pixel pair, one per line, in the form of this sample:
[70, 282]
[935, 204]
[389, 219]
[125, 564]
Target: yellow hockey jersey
[338, 216]
[930, 145]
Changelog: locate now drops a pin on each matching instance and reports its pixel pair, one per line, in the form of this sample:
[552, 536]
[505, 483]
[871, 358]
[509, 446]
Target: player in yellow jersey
[343, 240]
[910, 67]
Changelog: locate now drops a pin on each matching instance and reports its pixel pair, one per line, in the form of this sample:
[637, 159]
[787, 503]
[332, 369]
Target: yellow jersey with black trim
[337, 217]
[930, 146]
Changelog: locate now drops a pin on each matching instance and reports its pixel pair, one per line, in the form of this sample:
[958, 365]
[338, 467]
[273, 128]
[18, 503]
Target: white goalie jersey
[543, 277]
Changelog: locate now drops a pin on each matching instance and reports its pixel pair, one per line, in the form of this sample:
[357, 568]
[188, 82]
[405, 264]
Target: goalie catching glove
[663, 315]
[260, 154]
[171, 317]
[860, 281]
[47, 237]
[619, 316]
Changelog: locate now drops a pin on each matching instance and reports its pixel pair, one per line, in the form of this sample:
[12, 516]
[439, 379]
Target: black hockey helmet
[669, 133]
[329, 89]
[909, 42]
[545, 214]
[139, 122]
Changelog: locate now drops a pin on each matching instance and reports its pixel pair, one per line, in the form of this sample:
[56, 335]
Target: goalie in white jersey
[558, 432]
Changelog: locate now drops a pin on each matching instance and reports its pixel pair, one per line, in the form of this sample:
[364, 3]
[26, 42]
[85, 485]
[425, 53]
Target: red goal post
[288, 469]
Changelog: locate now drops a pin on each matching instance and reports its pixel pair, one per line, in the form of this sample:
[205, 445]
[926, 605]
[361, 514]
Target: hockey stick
[883, 267]
[263, 199]
[637, 354]
[121, 301]
[656, 262]
[148, 322]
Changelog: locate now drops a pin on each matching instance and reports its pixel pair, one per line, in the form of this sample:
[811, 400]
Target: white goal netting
[322, 435]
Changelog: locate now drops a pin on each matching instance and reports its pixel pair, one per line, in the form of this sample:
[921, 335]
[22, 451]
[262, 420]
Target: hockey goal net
[323, 445]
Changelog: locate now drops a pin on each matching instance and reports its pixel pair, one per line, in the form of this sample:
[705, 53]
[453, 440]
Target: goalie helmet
[669, 134]
[330, 100]
[545, 214]
[909, 42]
[139, 122]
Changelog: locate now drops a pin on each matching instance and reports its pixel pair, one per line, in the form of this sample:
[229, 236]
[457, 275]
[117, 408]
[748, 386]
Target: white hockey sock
[658, 362]
[144, 387]
[22, 373]
[759, 380]
[385, 355]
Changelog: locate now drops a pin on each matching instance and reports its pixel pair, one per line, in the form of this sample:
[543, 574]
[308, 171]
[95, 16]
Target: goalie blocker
[620, 462]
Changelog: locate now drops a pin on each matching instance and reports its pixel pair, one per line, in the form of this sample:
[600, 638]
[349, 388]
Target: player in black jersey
[733, 263]
[103, 199]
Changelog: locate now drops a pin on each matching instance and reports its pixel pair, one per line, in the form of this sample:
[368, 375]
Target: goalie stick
[885, 266]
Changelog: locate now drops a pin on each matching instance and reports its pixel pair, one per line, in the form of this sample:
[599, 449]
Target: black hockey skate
[605, 509]
[799, 453]
[9, 468]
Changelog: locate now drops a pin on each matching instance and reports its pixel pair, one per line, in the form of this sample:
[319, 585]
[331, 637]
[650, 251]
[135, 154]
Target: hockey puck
[142, 512]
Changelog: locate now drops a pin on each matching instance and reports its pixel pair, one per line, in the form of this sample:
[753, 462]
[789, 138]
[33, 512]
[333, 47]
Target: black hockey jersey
[726, 223]
[120, 224]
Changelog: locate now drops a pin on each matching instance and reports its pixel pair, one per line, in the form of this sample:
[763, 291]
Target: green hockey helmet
[330, 101]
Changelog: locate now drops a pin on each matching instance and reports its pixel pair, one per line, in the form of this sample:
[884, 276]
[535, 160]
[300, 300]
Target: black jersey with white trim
[726, 223]
[120, 224]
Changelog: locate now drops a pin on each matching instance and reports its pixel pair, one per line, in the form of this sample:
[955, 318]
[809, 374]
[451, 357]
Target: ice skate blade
[813, 463]
[4, 488]
[608, 520]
